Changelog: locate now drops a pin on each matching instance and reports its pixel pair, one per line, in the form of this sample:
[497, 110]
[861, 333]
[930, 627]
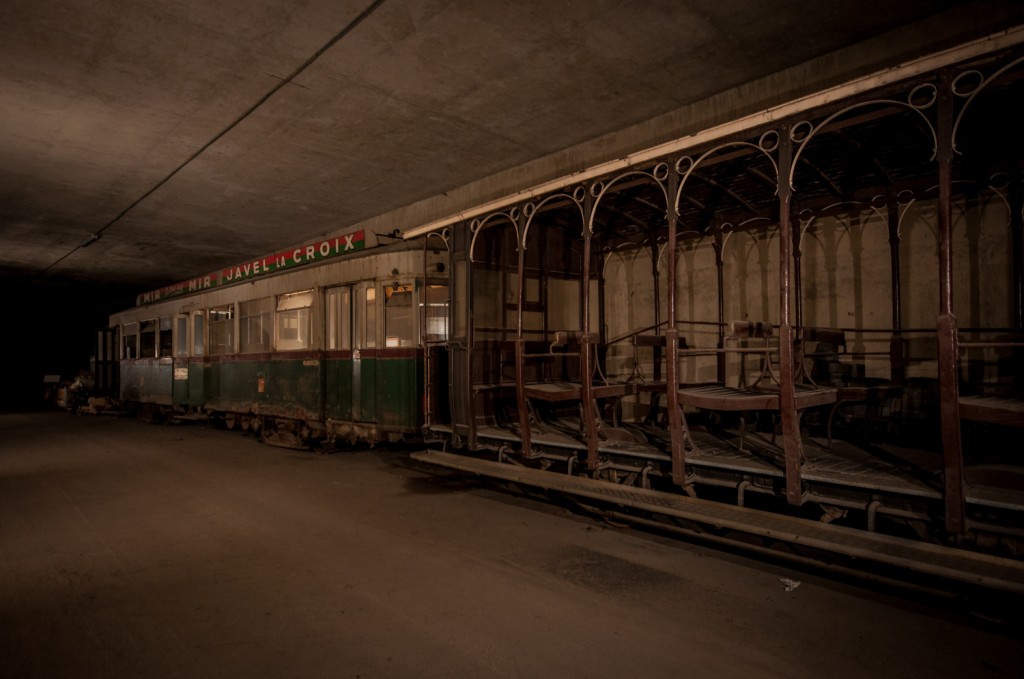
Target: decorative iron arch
[530, 210]
[444, 235]
[599, 189]
[804, 139]
[972, 94]
[479, 224]
[686, 165]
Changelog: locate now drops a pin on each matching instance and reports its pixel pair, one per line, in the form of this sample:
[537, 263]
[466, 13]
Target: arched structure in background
[793, 269]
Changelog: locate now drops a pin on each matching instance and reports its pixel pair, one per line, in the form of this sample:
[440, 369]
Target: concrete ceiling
[190, 134]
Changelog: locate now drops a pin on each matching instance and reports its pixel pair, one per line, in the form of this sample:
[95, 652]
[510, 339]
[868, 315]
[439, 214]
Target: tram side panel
[268, 385]
[146, 367]
[232, 384]
[338, 397]
[399, 384]
[147, 381]
[373, 396]
[179, 382]
[196, 371]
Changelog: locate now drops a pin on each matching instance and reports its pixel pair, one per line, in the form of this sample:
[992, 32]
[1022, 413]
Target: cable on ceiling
[95, 236]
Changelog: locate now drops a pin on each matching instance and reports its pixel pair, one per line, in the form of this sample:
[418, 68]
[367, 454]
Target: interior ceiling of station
[190, 135]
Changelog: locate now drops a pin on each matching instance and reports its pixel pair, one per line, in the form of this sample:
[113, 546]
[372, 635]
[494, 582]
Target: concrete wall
[846, 284]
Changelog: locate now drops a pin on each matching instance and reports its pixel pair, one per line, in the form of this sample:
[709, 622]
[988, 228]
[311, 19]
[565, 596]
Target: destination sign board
[286, 259]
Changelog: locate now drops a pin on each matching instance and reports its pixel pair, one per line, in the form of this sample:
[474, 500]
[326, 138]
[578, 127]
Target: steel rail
[977, 569]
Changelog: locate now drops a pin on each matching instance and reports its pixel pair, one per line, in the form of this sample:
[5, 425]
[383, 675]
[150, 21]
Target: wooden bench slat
[718, 397]
[995, 409]
[554, 391]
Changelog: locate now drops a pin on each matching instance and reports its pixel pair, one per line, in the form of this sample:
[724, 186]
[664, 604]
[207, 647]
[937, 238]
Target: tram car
[311, 346]
[815, 310]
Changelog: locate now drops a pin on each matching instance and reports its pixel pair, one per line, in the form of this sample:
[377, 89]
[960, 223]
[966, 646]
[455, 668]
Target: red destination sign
[286, 259]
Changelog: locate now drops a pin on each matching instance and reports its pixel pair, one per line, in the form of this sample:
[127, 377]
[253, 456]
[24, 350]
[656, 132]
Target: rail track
[837, 549]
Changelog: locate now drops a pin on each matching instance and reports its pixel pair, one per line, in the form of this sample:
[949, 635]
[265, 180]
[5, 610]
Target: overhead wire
[95, 236]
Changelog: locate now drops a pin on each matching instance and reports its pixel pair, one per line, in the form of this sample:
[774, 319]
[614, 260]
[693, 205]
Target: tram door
[189, 348]
[180, 381]
[364, 354]
[338, 398]
[197, 367]
[107, 365]
[461, 336]
[435, 303]
[436, 372]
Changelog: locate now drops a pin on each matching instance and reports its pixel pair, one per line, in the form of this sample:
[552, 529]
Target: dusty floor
[135, 550]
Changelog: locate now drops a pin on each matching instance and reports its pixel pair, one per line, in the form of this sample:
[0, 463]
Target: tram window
[147, 339]
[181, 337]
[130, 340]
[166, 336]
[198, 330]
[339, 318]
[222, 330]
[399, 328]
[369, 320]
[436, 311]
[256, 325]
[294, 320]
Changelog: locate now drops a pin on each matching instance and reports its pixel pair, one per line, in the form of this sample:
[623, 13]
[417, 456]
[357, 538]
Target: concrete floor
[129, 549]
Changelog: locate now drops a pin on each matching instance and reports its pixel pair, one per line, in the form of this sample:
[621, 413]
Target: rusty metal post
[794, 449]
[1017, 238]
[602, 336]
[462, 298]
[946, 327]
[587, 410]
[656, 350]
[521, 406]
[896, 370]
[675, 414]
[798, 308]
[798, 296]
[719, 246]
[657, 308]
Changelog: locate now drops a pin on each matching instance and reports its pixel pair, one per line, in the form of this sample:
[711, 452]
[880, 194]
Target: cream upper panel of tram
[394, 265]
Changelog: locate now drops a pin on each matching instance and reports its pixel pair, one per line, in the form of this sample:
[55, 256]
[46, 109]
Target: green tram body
[351, 373]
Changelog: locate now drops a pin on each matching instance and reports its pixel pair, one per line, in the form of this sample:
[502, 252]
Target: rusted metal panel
[147, 380]
[399, 386]
[338, 392]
